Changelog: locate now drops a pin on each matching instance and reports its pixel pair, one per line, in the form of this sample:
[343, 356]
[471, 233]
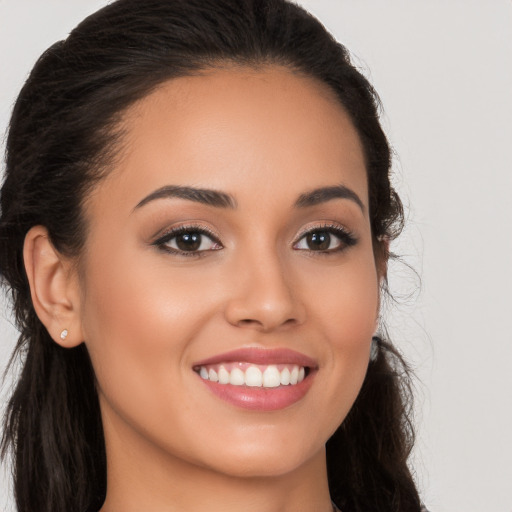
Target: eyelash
[181, 230]
[347, 239]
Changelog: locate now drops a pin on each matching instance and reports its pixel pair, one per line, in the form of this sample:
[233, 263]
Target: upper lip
[262, 356]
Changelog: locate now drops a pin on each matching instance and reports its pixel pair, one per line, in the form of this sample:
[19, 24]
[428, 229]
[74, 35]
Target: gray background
[443, 70]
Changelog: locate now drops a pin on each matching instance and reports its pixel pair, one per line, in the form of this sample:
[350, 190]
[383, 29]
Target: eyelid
[168, 234]
[347, 237]
[185, 226]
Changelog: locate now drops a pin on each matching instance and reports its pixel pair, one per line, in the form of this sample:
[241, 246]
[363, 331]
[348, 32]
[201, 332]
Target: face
[229, 291]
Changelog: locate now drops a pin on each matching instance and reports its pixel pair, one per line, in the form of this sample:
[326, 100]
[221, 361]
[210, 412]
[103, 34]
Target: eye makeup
[196, 240]
[318, 239]
[188, 240]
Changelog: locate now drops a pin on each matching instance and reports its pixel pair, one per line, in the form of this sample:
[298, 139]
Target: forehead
[262, 129]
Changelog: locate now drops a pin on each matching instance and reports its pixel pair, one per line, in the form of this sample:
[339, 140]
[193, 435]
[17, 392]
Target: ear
[53, 287]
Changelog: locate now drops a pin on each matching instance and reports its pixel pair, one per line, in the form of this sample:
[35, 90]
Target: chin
[266, 458]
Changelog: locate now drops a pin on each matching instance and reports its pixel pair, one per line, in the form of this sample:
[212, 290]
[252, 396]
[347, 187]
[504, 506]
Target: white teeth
[237, 377]
[253, 376]
[223, 375]
[285, 377]
[271, 377]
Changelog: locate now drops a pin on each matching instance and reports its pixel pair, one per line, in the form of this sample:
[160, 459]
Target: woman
[197, 214]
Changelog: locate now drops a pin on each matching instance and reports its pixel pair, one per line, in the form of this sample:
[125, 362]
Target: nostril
[263, 325]
[258, 310]
[248, 321]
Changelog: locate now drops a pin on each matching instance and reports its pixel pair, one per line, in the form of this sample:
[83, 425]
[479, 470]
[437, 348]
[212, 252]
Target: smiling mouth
[258, 379]
[253, 375]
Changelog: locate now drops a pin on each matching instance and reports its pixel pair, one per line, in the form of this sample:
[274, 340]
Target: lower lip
[261, 399]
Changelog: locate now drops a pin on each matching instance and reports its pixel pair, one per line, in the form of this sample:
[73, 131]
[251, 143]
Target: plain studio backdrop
[443, 69]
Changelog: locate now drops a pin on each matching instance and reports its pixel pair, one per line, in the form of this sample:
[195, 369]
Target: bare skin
[148, 310]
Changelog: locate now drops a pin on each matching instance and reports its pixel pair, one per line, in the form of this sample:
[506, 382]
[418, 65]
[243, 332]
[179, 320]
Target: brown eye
[318, 241]
[189, 241]
[326, 239]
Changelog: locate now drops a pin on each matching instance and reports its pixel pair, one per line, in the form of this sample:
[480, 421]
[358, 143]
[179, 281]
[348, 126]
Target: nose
[263, 295]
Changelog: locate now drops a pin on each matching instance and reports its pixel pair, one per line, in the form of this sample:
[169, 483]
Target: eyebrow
[324, 194]
[222, 200]
[198, 195]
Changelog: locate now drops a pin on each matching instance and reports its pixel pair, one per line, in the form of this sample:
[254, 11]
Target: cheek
[346, 302]
[134, 292]
[138, 319]
[345, 314]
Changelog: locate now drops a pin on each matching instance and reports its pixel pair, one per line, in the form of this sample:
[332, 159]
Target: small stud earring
[64, 334]
[374, 348]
